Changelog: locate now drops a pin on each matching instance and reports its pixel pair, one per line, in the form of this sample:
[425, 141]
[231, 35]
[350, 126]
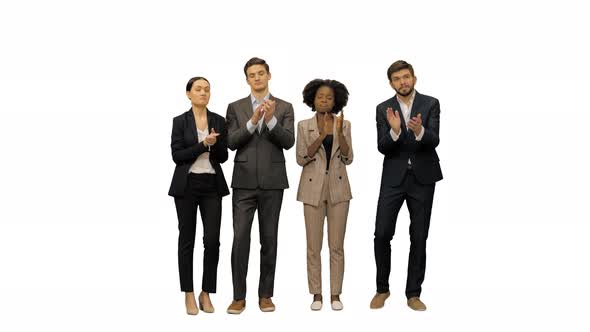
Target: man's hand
[415, 124]
[257, 115]
[269, 109]
[394, 120]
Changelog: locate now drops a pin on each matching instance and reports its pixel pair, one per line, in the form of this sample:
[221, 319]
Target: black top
[327, 142]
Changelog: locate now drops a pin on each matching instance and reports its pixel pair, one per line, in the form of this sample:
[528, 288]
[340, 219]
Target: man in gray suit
[260, 126]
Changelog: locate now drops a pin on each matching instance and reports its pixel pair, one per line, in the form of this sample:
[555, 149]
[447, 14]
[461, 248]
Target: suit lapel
[210, 121]
[264, 129]
[416, 106]
[314, 134]
[247, 106]
[335, 141]
[313, 129]
[192, 124]
[396, 107]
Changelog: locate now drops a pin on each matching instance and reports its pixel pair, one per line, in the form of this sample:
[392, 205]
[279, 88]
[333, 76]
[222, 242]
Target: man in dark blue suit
[407, 135]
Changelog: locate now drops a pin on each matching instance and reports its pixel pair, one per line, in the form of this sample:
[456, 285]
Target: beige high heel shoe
[191, 305]
[207, 307]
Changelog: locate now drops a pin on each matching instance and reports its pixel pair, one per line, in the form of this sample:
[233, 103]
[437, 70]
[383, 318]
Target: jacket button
[309, 180]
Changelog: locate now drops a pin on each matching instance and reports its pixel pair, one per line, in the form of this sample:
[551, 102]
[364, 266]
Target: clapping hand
[394, 120]
[339, 122]
[415, 124]
[258, 114]
[211, 139]
[325, 125]
[269, 109]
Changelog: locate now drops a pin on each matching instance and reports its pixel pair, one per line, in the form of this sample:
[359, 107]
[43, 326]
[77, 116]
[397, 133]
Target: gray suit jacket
[259, 160]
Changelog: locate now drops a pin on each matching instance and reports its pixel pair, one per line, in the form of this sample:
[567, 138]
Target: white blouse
[202, 165]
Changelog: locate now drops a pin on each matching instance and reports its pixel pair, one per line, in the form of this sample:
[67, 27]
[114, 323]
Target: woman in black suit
[199, 146]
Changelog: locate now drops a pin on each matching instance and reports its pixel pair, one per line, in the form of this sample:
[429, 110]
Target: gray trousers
[245, 202]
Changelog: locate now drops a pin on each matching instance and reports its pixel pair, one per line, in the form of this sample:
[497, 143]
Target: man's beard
[405, 94]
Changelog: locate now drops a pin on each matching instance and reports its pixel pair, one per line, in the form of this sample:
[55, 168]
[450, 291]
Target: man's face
[257, 78]
[403, 82]
[199, 93]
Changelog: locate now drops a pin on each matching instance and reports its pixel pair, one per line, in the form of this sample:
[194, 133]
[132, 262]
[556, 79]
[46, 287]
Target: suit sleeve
[219, 149]
[283, 133]
[180, 153]
[347, 160]
[430, 138]
[385, 143]
[301, 148]
[236, 137]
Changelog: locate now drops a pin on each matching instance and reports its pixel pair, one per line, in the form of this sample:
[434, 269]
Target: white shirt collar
[254, 100]
[412, 96]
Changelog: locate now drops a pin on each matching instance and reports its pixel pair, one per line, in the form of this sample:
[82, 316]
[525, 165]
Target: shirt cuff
[393, 135]
[271, 124]
[419, 137]
[250, 126]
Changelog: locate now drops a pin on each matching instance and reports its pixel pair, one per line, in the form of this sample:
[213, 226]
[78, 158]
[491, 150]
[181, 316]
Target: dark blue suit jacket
[422, 153]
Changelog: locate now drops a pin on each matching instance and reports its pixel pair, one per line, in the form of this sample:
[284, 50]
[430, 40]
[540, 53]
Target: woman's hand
[325, 125]
[211, 139]
[339, 122]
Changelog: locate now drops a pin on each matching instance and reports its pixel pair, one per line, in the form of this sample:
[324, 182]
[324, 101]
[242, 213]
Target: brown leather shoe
[266, 305]
[416, 304]
[378, 300]
[236, 307]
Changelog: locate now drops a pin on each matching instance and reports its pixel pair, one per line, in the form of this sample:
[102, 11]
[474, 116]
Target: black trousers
[245, 202]
[418, 198]
[200, 193]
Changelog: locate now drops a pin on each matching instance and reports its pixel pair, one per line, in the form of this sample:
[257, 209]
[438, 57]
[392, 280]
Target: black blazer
[422, 153]
[186, 149]
[259, 160]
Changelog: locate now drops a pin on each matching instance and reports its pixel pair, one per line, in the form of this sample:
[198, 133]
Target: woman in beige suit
[324, 148]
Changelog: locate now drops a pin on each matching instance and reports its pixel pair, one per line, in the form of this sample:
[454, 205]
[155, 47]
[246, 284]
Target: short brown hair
[255, 61]
[397, 66]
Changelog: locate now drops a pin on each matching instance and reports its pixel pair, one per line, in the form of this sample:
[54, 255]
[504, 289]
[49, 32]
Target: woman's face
[324, 99]
[199, 93]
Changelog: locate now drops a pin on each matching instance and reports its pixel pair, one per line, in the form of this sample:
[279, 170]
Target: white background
[88, 91]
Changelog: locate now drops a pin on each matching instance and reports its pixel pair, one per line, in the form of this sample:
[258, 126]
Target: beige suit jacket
[314, 174]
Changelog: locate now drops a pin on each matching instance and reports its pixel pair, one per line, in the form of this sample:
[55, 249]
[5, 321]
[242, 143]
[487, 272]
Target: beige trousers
[314, 229]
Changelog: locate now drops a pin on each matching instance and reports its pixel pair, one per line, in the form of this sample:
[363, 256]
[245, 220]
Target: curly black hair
[340, 93]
